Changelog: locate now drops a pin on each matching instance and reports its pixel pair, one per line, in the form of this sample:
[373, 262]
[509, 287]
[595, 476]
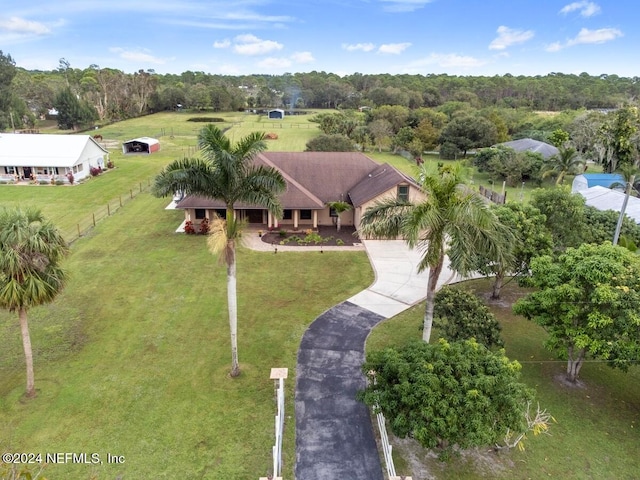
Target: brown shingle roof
[376, 183]
[316, 178]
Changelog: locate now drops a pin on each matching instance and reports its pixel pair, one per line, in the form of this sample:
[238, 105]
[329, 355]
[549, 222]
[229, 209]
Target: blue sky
[237, 37]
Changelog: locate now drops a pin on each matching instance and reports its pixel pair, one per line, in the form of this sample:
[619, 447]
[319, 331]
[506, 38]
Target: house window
[305, 214]
[10, 170]
[332, 212]
[403, 193]
[200, 213]
[287, 215]
[221, 212]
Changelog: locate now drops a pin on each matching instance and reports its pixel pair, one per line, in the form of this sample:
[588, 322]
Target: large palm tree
[451, 220]
[565, 162]
[31, 249]
[226, 172]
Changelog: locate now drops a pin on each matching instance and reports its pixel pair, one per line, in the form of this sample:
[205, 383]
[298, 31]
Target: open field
[132, 358]
[597, 433]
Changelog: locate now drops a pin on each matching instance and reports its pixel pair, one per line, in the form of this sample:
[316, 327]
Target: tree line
[107, 94]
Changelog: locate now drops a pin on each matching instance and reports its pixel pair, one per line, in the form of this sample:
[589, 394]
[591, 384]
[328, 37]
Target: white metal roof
[604, 198]
[46, 150]
[147, 140]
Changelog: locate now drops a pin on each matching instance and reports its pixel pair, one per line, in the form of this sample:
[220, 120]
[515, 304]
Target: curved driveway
[334, 434]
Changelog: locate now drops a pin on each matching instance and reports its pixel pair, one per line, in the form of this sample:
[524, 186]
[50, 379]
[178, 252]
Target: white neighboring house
[604, 198]
[46, 157]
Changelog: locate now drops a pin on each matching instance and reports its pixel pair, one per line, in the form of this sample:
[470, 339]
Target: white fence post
[387, 449]
[279, 375]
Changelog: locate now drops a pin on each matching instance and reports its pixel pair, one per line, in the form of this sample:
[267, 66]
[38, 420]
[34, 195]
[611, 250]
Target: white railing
[387, 449]
[278, 375]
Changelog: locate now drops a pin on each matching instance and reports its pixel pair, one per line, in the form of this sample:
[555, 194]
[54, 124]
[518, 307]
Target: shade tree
[448, 395]
[588, 301]
[531, 238]
[460, 315]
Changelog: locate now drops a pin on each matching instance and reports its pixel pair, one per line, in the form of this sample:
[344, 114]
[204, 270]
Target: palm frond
[384, 220]
[193, 176]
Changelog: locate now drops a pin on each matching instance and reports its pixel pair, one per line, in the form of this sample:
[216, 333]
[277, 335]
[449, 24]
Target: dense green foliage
[531, 238]
[330, 143]
[588, 300]
[564, 213]
[72, 112]
[460, 315]
[504, 163]
[447, 395]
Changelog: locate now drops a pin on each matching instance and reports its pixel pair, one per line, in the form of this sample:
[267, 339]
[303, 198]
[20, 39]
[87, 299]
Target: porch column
[296, 216]
[315, 218]
[269, 217]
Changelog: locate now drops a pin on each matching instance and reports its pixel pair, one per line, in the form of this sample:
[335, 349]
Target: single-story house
[46, 157]
[276, 114]
[604, 198]
[588, 180]
[146, 145]
[313, 180]
[531, 145]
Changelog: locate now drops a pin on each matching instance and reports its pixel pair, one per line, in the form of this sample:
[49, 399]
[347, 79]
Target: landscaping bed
[323, 235]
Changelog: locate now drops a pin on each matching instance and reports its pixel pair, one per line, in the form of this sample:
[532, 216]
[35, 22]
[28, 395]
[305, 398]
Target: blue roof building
[588, 180]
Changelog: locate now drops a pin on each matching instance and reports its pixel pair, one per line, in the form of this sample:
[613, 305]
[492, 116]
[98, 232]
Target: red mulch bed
[329, 235]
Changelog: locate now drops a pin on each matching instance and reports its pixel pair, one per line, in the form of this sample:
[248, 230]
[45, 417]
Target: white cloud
[587, 37]
[251, 45]
[394, 48]
[587, 9]
[137, 56]
[23, 26]
[554, 47]
[226, 43]
[365, 47]
[303, 57]
[602, 35]
[509, 36]
[403, 5]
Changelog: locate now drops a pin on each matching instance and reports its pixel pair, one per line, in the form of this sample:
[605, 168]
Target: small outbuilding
[276, 114]
[531, 145]
[146, 145]
[588, 180]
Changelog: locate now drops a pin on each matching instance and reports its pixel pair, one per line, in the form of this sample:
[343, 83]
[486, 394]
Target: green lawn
[132, 358]
[597, 433]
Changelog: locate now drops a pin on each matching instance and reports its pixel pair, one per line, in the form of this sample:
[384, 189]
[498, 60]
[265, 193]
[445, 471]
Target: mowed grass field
[132, 358]
[597, 429]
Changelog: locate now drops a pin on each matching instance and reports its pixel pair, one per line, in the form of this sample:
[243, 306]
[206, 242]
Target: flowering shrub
[188, 228]
[204, 226]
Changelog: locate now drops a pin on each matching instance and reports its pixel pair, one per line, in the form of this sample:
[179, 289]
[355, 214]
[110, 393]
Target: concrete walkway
[334, 435]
